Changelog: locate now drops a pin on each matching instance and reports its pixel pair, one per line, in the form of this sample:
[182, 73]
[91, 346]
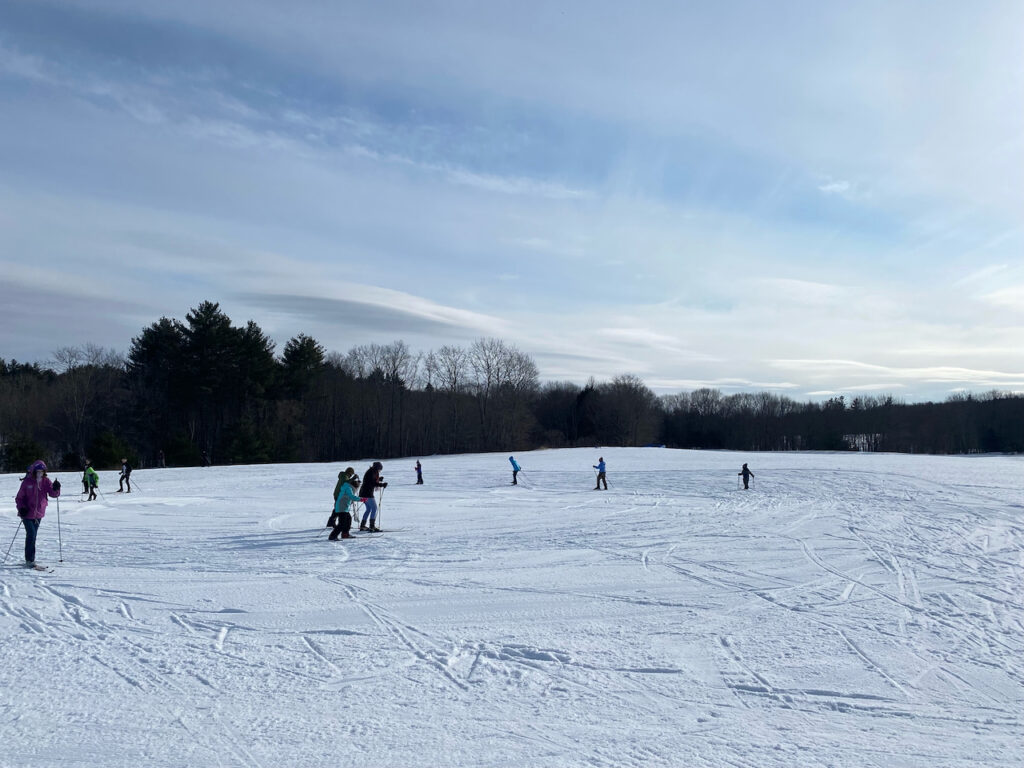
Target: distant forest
[208, 385]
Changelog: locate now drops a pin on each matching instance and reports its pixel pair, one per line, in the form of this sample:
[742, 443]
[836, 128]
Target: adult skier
[419, 473]
[342, 517]
[91, 480]
[747, 474]
[371, 482]
[516, 469]
[600, 467]
[125, 477]
[31, 503]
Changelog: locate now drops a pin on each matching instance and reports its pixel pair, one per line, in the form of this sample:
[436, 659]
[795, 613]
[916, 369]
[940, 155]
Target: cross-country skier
[371, 482]
[125, 477]
[343, 477]
[342, 517]
[91, 480]
[747, 474]
[516, 469]
[600, 474]
[31, 504]
[419, 473]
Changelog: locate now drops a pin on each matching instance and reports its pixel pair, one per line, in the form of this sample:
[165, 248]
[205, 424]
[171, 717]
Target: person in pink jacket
[36, 490]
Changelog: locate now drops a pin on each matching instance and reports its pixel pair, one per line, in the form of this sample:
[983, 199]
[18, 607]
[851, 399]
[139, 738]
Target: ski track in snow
[848, 610]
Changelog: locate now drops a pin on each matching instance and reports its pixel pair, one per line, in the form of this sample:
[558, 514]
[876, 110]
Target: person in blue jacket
[600, 474]
[516, 469]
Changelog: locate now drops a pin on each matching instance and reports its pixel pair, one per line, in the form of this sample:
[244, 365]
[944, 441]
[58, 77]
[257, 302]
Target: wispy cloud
[841, 188]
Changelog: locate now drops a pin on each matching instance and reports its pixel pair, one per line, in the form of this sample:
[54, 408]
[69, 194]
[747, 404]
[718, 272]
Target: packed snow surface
[847, 610]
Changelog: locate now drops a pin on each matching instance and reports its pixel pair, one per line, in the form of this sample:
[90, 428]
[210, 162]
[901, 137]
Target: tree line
[206, 385]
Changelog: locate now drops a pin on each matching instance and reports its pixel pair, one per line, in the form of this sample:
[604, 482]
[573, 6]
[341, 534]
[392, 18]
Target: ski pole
[380, 507]
[12, 540]
[60, 541]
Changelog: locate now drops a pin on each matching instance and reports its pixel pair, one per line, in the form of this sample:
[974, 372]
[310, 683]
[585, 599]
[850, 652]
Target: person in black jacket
[372, 480]
[125, 477]
[747, 474]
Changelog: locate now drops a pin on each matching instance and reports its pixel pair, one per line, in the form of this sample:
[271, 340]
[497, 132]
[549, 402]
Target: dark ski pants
[515, 473]
[342, 524]
[122, 482]
[92, 494]
[601, 479]
[31, 529]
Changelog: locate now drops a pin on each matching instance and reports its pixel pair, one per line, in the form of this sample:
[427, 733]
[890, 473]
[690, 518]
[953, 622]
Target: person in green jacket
[91, 480]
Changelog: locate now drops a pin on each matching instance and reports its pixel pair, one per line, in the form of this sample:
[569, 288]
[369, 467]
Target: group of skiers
[91, 479]
[347, 490]
[36, 488]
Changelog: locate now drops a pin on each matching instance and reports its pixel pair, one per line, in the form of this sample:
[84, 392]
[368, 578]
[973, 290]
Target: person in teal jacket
[342, 517]
[516, 469]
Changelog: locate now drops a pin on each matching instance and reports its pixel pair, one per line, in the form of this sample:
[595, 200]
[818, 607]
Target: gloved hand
[56, 485]
[383, 485]
[22, 512]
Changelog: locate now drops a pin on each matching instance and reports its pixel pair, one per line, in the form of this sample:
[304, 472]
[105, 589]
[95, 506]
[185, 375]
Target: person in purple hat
[31, 503]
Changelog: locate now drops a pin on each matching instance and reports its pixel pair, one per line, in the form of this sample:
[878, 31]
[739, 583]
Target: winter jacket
[600, 467]
[126, 470]
[91, 477]
[347, 495]
[32, 499]
[343, 478]
[371, 481]
[515, 464]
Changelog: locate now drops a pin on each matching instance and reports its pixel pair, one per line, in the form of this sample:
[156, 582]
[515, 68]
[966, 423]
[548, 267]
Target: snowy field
[848, 610]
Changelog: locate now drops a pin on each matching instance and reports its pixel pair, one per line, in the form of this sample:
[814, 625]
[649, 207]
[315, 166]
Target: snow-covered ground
[848, 610]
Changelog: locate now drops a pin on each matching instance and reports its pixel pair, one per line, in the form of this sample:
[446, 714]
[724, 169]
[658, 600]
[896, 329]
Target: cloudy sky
[811, 198]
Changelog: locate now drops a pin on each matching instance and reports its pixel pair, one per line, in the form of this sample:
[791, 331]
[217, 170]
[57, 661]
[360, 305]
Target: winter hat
[350, 471]
[378, 465]
[38, 464]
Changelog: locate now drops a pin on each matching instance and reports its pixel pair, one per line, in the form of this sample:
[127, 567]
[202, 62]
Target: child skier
[91, 480]
[342, 517]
